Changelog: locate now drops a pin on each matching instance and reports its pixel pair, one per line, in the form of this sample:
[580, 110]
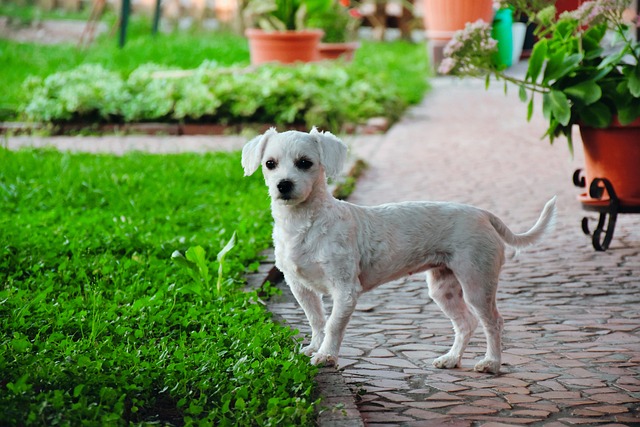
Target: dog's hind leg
[480, 294]
[492, 323]
[344, 303]
[311, 303]
[446, 291]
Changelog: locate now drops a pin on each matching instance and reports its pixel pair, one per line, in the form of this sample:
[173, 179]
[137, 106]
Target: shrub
[312, 94]
[82, 92]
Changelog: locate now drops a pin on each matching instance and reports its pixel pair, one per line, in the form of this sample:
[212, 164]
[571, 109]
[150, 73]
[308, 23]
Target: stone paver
[572, 328]
[120, 144]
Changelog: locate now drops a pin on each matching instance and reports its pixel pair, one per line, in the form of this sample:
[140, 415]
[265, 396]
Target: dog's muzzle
[285, 187]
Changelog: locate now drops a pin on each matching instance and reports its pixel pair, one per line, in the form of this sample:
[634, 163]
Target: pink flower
[446, 66]
[355, 13]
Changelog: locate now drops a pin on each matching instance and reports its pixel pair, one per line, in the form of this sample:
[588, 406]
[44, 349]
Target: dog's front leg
[344, 303]
[311, 303]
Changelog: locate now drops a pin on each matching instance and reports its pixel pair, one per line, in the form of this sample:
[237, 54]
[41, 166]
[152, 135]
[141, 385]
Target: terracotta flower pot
[442, 18]
[338, 50]
[283, 46]
[614, 153]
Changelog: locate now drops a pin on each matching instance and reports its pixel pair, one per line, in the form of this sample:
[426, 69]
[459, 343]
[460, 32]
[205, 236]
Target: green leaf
[560, 65]
[634, 81]
[20, 345]
[546, 106]
[612, 59]
[587, 92]
[564, 29]
[180, 260]
[530, 109]
[230, 244]
[536, 61]
[592, 38]
[522, 93]
[221, 255]
[77, 390]
[629, 113]
[240, 404]
[196, 254]
[83, 361]
[558, 105]
[597, 115]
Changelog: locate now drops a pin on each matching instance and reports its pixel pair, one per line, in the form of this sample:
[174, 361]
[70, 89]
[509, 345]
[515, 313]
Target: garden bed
[328, 95]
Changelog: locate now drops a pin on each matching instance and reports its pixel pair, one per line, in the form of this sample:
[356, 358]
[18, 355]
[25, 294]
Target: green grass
[29, 13]
[403, 64]
[99, 327]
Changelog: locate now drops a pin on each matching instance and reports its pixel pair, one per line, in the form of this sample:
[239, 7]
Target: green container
[501, 31]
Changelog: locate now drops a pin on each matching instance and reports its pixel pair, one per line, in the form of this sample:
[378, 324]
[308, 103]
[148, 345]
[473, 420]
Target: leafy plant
[581, 76]
[282, 15]
[196, 266]
[85, 91]
[313, 94]
[340, 21]
[98, 327]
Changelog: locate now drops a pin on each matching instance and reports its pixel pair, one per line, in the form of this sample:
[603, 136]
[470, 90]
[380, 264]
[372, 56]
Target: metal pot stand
[606, 202]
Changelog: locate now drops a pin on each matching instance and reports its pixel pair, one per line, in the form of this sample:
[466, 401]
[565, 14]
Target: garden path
[572, 328]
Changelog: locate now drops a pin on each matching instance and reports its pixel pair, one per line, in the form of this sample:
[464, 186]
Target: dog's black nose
[285, 186]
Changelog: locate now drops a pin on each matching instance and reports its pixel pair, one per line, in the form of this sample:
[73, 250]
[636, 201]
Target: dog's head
[293, 162]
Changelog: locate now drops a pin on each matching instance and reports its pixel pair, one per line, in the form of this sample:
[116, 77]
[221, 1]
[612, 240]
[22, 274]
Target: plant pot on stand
[611, 176]
[283, 46]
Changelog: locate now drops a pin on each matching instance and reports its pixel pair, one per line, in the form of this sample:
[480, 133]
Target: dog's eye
[304, 163]
[271, 164]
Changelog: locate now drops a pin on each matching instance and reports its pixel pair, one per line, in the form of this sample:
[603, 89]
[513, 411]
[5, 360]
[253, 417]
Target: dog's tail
[545, 224]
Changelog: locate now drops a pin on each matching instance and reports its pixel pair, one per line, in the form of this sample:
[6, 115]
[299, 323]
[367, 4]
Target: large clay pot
[442, 18]
[614, 153]
[567, 5]
[283, 46]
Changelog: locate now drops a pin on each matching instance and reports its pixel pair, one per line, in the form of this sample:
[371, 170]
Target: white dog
[327, 246]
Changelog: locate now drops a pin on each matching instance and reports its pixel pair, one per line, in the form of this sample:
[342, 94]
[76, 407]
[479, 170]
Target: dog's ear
[333, 152]
[253, 150]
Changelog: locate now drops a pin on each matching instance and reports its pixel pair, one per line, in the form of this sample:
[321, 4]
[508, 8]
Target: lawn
[401, 66]
[98, 326]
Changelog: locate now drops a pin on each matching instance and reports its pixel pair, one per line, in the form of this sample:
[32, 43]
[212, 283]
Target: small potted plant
[340, 23]
[281, 30]
[585, 70]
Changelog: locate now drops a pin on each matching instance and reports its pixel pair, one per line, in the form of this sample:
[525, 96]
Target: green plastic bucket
[501, 31]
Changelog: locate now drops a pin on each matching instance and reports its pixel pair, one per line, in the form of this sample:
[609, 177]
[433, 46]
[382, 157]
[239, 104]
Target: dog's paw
[448, 361]
[324, 359]
[489, 366]
[309, 350]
